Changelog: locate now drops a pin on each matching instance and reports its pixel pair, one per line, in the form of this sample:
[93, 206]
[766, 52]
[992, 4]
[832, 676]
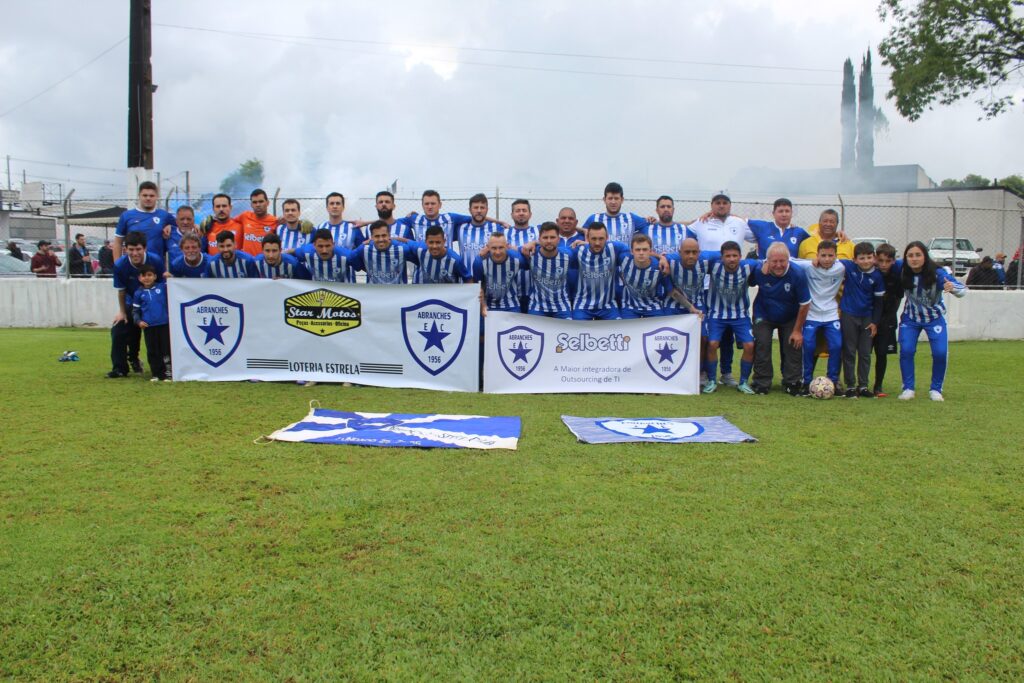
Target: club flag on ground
[402, 430]
[655, 429]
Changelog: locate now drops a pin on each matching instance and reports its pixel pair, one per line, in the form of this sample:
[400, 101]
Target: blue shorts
[610, 313]
[561, 315]
[740, 327]
[630, 314]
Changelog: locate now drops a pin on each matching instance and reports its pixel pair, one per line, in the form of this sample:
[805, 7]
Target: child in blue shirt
[861, 306]
[150, 304]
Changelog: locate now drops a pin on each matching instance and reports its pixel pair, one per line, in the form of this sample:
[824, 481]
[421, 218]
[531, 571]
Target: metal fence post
[497, 202]
[842, 212]
[1020, 246]
[953, 206]
[67, 235]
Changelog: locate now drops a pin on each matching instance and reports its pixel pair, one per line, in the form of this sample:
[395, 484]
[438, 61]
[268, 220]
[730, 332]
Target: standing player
[827, 229]
[475, 235]
[125, 335]
[228, 263]
[861, 306]
[149, 306]
[192, 262]
[293, 231]
[343, 233]
[385, 203]
[824, 278]
[781, 294]
[255, 224]
[220, 221]
[498, 273]
[324, 261]
[666, 235]
[779, 229]
[619, 227]
[437, 264]
[728, 306]
[521, 232]
[272, 264]
[885, 341]
[185, 217]
[382, 259]
[156, 224]
[568, 227]
[644, 285]
[553, 274]
[924, 284]
[432, 217]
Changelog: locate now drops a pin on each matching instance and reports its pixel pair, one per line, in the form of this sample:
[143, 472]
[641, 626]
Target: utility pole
[140, 94]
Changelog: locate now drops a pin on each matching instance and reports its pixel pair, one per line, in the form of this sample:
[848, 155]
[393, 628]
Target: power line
[517, 67]
[66, 165]
[71, 181]
[54, 85]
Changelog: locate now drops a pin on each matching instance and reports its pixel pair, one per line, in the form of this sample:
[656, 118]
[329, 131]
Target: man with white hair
[781, 295]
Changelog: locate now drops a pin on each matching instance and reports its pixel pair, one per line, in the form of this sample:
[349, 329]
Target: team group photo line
[817, 289]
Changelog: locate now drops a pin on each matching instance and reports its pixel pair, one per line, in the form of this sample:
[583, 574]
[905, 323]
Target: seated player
[597, 265]
[382, 259]
[323, 261]
[228, 263]
[644, 285]
[824, 278]
[498, 272]
[861, 306]
[193, 261]
[150, 304]
[552, 274]
[272, 264]
[437, 264]
[728, 306]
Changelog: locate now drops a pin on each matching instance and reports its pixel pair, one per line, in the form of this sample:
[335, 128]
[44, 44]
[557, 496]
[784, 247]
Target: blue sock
[712, 370]
[745, 368]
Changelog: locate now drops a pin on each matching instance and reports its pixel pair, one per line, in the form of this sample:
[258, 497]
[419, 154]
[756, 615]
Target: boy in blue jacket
[150, 303]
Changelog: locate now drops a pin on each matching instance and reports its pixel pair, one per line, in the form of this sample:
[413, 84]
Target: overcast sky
[356, 115]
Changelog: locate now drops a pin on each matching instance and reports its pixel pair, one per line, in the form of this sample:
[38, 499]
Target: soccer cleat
[935, 395]
[866, 393]
[793, 389]
[728, 380]
[763, 391]
[804, 390]
[907, 395]
[155, 379]
[851, 393]
[744, 388]
[115, 374]
[309, 383]
[710, 387]
[881, 394]
[137, 367]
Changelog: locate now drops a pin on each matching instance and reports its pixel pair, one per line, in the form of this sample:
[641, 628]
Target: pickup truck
[941, 251]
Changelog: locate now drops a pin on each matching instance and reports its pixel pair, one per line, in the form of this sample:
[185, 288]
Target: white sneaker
[935, 395]
[155, 379]
[729, 380]
[907, 395]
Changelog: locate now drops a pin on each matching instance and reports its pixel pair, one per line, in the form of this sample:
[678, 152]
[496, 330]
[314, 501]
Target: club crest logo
[520, 350]
[434, 332]
[322, 312]
[213, 327]
[665, 350]
[653, 429]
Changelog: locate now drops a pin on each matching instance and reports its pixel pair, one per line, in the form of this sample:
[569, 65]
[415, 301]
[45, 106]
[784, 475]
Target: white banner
[422, 336]
[532, 354]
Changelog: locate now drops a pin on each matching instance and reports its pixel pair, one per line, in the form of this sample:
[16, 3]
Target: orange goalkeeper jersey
[214, 228]
[252, 231]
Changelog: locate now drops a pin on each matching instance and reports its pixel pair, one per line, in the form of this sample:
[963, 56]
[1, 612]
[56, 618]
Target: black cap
[42, 242]
[721, 195]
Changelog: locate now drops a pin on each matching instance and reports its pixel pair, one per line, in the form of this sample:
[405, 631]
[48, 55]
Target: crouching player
[644, 285]
[272, 264]
[688, 271]
[728, 306]
[824, 278]
[924, 284]
[150, 304]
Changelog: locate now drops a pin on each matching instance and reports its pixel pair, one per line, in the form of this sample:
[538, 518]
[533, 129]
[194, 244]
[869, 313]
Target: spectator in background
[45, 263]
[1011, 274]
[15, 251]
[106, 259]
[79, 262]
[997, 265]
[984, 276]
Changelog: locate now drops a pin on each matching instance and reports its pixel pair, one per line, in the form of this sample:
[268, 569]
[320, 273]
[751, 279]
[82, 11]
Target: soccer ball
[822, 387]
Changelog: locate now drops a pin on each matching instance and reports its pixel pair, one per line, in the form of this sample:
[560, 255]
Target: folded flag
[655, 429]
[402, 430]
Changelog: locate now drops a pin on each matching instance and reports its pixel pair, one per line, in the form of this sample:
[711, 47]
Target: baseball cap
[43, 242]
[721, 195]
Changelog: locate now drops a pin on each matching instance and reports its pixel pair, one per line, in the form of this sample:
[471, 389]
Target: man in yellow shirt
[827, 228]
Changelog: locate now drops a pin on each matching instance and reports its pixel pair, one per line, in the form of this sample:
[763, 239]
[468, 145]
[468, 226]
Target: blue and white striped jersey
[690, 281]
[550, 281]
[665, 239]
[402, 227]
[595, 287]
[518, 237]
[643, 288]
[501, 281]
[337, 268]
[925, 305]
[473, 238]
[383, 267]
[621, 226]
[433, 271]
[346, 235]
[287, 268]
[448, 222]
[566, 242]
[727, 292]
[291, 238]
[239, 267]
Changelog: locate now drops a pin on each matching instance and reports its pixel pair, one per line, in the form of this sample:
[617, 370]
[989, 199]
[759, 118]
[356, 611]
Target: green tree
[945, 50]
[1014, 183]
[243, 180]
[848, 118]
[969, 180]
[866, 117]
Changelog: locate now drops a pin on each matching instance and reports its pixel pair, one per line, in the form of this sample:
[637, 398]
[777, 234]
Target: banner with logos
[531, 354]
[421, 336]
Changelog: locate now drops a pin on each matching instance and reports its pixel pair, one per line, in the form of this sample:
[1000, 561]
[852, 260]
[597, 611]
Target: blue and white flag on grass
[402, 430]
[655, 429]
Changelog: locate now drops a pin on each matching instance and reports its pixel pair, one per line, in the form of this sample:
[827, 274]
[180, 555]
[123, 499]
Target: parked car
[875, 241]
[10, 266]
[941, 250]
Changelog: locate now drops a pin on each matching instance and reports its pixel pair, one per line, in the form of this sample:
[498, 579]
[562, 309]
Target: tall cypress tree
[848, 119]
[866, 118]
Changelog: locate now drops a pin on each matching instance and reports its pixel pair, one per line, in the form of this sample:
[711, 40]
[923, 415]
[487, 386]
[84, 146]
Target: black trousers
[125, 340]
[857, 342]
[158, 350]
[792, 360]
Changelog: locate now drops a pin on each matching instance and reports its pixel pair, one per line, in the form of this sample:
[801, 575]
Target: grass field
[143, 535]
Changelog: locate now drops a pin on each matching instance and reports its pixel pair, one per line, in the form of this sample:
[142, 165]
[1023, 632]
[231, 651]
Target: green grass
[857, 540]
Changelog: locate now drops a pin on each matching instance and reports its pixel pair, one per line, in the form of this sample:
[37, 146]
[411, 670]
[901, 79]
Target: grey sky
[325, 115]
